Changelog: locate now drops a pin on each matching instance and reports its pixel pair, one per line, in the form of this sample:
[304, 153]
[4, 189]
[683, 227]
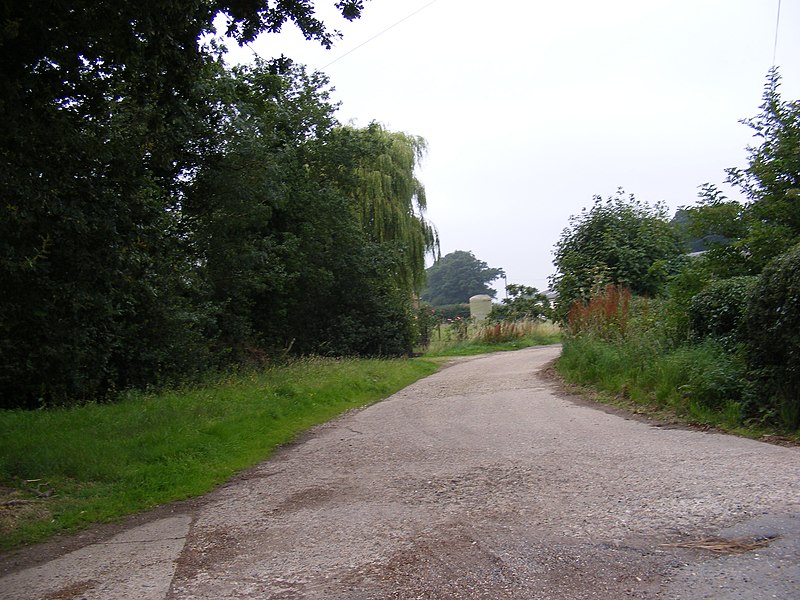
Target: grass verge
[694, 385]
[63, 469]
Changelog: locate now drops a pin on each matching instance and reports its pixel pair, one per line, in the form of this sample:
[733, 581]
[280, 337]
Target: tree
[456, 277]
[277, 214]
[716, 227]
[375, 168]
[771, 180]
[522, 303]
[250, 197]
[104, 117]
[619, 241]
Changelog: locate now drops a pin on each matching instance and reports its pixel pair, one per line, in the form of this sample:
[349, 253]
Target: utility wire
[377, 35]
[777, 24]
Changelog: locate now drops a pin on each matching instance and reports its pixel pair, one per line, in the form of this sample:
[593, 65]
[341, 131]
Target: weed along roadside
[63, 469]
[617, 350]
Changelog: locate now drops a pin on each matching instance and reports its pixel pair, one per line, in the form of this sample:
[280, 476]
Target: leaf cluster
[719, 310]
[618, 241]
[521, 303]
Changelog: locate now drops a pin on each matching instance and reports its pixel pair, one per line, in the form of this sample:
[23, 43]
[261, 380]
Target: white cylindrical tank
[480, 306]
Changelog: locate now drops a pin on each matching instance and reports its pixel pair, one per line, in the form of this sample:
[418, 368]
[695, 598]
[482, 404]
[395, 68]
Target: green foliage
[521, 303]
[719, 310]
[702, 383]
[720, 346]
[107, 460]
[249, 231]
[742, 239]
[714, 221]
[627, 349]
[375, 169]
[92, 143]
[690, 278]
[773, 336]
[772, 179]
[619, 241]
[458, 276]
[522, 329]
[426, 322]
[163, 215]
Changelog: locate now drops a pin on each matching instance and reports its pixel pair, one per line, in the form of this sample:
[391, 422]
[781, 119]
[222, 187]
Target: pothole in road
[719, 545]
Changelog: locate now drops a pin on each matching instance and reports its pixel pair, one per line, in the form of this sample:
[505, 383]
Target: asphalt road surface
[482, 481]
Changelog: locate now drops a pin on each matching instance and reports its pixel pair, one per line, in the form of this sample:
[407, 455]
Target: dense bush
[619, 241]
[718, 342]
[276, 231]
[773, 335]
[719, 310]
[521, 303]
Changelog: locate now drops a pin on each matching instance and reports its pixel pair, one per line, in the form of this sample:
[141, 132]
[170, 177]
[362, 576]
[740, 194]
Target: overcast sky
[531, 108]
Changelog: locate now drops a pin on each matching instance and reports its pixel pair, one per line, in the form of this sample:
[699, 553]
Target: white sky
[531, 108]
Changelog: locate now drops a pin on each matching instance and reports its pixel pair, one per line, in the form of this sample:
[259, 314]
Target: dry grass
[17, 506]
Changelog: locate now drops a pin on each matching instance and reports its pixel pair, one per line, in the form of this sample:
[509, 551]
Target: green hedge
[773, 336]
[719, 310]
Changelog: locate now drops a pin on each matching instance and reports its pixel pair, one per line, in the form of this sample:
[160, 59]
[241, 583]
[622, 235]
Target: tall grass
[700, 383]
[628, 349]
[65, 468]
[470, 338]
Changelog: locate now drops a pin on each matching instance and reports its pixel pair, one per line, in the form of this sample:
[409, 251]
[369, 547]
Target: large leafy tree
[104, 113]
[741, 238]
[275, 215]
[375, 168]
[771, 180]
[457, 276]
[249, 190]
[621, 241]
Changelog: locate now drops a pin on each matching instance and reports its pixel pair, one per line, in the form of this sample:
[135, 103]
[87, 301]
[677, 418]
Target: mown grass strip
[62, 469]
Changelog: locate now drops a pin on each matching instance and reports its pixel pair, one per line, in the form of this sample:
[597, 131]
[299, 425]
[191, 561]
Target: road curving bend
[481, 481]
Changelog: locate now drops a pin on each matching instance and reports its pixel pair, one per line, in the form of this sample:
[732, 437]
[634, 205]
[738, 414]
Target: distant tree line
[163, 214]
[718, 330]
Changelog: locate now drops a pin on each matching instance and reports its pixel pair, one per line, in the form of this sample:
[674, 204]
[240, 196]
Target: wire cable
[377, 35]
[777, 25]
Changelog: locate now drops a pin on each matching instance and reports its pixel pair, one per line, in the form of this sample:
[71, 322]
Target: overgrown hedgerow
[719, 310]
[773, 336]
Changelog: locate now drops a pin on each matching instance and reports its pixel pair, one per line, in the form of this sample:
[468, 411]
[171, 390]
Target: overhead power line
[777, 26]
[377, 35]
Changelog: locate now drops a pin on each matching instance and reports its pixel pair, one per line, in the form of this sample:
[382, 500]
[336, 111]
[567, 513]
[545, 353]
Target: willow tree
[376, 169]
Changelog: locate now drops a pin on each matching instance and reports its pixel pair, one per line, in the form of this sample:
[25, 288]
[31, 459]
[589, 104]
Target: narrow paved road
[478, 482]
